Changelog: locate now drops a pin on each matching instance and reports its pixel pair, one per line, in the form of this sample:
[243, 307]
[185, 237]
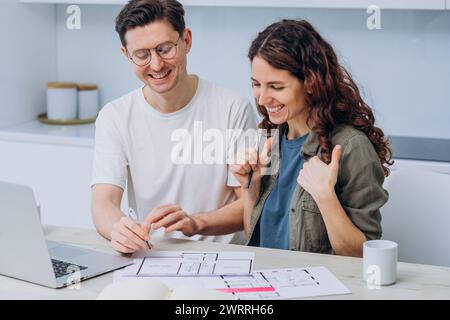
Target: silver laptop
[26, 255]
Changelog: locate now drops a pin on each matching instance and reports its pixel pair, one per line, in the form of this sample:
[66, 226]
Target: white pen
[132, 215]
[255, 147]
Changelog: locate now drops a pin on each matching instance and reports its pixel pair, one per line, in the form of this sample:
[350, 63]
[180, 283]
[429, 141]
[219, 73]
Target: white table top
[414, 281]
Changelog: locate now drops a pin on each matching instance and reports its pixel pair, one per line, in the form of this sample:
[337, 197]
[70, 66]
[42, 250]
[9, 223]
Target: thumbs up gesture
[318, 178]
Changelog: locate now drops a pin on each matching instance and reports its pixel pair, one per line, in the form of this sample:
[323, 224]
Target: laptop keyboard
[62, 268]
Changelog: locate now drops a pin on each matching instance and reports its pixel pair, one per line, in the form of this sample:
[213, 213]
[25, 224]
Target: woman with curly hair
[330, 158]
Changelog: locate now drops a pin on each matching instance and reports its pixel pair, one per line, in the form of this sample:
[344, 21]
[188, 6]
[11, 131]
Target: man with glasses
[134, 139]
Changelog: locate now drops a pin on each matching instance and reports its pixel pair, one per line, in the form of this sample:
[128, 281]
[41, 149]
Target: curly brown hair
[332, 96]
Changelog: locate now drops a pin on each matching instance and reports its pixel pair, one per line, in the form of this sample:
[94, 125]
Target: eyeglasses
[165, 51]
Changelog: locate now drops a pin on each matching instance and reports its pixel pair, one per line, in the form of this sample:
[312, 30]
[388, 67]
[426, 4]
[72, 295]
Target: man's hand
[172, 218]
[128, 236]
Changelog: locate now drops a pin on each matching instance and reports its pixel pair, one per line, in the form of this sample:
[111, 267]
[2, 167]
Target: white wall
[27, 59]
[403, 69]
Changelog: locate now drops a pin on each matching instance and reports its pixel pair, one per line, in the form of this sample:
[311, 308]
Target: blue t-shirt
[274, 220]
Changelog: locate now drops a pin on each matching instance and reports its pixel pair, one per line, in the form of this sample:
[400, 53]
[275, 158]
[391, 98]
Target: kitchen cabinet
[57, 167]
[435, 166]
[349, 4]
[416, 148]
[58, 175]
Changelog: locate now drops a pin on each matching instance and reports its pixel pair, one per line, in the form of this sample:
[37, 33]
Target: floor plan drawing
[270, 284]
[193, 263]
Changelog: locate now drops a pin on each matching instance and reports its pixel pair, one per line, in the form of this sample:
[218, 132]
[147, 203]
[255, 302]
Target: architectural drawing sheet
[286, 284]
[265, 284]
[192, 264]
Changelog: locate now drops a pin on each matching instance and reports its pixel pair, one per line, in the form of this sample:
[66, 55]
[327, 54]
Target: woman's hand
[253, 162]
[318, 178]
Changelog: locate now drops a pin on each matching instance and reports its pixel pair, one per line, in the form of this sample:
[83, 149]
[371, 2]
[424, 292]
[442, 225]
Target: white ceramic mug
[380, 262]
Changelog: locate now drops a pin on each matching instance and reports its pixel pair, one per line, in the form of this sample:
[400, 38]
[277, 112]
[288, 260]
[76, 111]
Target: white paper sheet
[265, 284]
[192, 264]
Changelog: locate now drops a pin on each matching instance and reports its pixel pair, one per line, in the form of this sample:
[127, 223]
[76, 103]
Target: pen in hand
[250, 175]
[265, 153]
[256, 149]
[133, 216]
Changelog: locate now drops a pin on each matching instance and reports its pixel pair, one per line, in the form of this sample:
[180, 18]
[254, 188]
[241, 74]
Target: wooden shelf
[336, 4]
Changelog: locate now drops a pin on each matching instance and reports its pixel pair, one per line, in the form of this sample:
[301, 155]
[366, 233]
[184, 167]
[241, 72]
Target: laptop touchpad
[66, 252]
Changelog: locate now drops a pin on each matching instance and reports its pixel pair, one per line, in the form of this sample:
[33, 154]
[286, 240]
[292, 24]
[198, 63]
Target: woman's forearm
[345, 238]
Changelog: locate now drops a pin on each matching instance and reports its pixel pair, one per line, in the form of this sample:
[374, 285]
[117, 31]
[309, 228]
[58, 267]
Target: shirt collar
[311, 146]
[309, 149]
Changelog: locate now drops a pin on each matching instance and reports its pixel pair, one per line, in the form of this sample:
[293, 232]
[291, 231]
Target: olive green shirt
[359, 189]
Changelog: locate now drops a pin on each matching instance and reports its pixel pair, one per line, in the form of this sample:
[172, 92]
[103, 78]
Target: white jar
[61, 100]
[87, 101]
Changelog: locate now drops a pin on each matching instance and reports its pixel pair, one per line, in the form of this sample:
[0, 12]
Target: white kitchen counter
[83, 136]
[37, 132]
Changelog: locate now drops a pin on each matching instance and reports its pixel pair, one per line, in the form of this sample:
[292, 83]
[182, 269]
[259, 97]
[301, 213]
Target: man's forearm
[105, 216]
[225, 220]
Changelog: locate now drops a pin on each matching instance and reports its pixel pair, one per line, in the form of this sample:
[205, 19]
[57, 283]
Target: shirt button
[292, 210]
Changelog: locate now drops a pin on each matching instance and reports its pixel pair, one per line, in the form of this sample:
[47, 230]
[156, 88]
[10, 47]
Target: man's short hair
[138, 13]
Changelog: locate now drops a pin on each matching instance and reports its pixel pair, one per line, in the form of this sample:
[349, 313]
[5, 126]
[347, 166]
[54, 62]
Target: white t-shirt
[135, 144]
